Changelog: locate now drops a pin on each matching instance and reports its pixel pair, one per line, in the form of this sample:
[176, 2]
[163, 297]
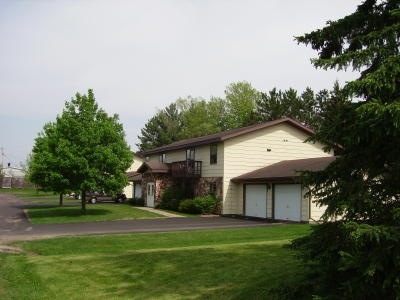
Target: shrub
[206, 204]
[171, 198]
[136, 202]
[200, 205]
[188, 206]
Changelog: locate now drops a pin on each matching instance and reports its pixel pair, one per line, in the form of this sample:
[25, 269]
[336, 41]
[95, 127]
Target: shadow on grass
[66, 212]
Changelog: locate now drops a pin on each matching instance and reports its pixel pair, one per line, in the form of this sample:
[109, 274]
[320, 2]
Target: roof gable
[225, 135]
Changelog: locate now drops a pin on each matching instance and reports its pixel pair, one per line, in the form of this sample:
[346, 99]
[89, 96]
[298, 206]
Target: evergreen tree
[304, 108]
[162, 129]
[358, 256]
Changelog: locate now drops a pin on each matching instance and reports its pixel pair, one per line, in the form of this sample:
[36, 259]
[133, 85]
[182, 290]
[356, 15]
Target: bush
[188, 206]
[200, 205]
[170, 199]
[136, 202]
[206, 204]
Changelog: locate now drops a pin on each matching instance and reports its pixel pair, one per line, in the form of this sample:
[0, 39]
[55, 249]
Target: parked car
[99, 197]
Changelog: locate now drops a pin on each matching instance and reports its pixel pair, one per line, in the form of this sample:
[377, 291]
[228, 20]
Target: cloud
[142, 55]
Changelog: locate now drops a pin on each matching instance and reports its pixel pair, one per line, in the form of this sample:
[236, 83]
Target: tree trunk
[83, 203]
[61, 199]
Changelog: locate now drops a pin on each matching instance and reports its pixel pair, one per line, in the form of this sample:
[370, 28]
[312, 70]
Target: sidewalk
[160, 212]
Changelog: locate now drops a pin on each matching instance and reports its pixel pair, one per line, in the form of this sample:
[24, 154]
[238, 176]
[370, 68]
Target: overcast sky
[139, 56]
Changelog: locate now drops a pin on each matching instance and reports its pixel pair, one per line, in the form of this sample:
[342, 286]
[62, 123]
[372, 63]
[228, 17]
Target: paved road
[15, 226]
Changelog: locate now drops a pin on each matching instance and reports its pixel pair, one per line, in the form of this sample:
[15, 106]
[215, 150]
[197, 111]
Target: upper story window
[190, 154]
[213, 153]
[162, 158]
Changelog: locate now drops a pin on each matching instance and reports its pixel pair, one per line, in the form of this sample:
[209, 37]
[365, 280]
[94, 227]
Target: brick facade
[192, 187]
[162, 182]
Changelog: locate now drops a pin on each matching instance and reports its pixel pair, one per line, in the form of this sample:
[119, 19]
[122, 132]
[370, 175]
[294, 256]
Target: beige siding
[249, 152]
[137, 162]
[202, 153]
[316, 212]
[128, 190]
[170, 156]
[304, 207]
[177, 155]
[210, 170]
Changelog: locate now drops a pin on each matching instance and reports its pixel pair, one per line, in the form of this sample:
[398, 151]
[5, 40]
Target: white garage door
[256, 200]
[287, 202]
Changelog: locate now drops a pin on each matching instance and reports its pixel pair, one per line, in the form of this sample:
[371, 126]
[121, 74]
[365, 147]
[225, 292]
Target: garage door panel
[256, 200]
[287, 204]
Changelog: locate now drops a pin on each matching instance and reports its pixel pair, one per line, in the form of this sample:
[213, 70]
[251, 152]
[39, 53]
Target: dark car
[99, 197]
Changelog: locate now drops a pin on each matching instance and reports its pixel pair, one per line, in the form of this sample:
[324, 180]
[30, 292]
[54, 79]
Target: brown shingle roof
[134, 176]
[286, 169]
[225, 135]
[154, 167]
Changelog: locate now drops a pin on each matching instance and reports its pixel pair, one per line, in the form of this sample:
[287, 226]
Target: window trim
[213, 156]
[162, 158]
[190, 153]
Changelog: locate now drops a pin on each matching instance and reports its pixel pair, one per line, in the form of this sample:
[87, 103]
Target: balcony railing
[186, 168]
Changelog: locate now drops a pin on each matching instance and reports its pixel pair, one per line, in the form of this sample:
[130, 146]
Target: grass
[97, 212]
[43, 209]
[218, 264]
[29, 193]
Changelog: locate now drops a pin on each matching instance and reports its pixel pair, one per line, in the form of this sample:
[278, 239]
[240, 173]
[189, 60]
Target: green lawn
[29, 193]
[94, 212]
[218, 264]
[43, 209]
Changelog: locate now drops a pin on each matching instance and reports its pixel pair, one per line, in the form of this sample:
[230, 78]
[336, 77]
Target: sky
[140, 56]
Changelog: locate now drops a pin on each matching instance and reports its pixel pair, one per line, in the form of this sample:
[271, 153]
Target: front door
[150, 194]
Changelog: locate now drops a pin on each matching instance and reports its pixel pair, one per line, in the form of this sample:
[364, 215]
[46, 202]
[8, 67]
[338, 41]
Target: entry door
[138, 190]
[287, 202]
[150, 194]
[256, 200]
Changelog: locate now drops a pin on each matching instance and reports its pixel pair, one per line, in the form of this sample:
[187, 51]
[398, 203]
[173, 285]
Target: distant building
[13, 178]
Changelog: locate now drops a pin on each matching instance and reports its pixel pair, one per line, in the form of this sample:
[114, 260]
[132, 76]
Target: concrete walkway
[160, 212]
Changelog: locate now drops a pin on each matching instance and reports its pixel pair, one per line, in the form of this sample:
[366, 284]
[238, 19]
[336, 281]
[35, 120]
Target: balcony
[186, 169]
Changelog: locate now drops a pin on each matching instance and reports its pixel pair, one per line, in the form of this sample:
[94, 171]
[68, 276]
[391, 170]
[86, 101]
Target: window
[162, 158]
[213, 189]
[213, 154]
[190, 154]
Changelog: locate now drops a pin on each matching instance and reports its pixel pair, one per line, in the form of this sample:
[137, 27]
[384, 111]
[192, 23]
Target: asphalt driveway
[15, 226]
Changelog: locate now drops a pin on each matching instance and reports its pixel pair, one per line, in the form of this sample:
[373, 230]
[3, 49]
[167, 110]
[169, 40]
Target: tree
[83, 150]
[162, 129]
[44, 166]
[305, 108]
[200, 117]
[241, 98]
[358, 256]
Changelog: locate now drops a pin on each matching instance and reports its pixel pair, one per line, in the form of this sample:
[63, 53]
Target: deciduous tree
[83, 150]
[241, 98]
